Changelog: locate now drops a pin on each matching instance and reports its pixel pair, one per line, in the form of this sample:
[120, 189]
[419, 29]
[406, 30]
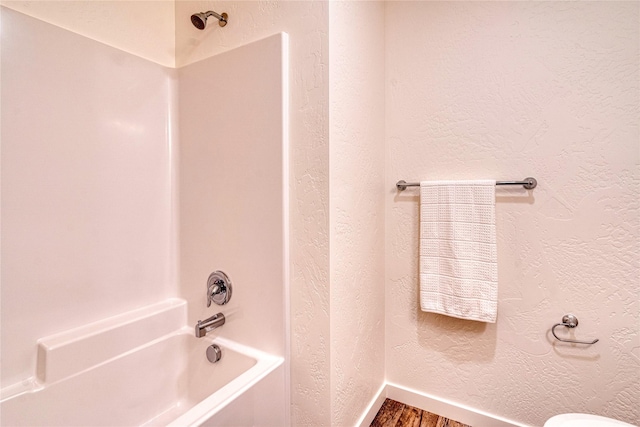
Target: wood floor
[396, 414]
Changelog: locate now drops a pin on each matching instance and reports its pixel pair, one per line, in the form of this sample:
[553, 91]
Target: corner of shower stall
[113, 168]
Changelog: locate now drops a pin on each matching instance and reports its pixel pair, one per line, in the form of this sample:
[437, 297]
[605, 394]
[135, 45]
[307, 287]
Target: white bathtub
[165, 381]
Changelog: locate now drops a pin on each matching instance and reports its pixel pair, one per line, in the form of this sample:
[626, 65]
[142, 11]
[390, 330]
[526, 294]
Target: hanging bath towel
[458, 259]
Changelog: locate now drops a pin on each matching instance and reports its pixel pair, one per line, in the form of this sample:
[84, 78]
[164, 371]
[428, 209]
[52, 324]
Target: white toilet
[584, 420]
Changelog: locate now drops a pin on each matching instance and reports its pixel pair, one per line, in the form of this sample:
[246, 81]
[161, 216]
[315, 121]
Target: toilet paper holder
[570, 321]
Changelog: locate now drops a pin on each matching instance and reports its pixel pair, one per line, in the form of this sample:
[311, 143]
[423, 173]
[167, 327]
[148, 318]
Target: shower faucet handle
[218, 288]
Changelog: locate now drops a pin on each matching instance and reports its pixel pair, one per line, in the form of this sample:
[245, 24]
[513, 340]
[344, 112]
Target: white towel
[458, 259]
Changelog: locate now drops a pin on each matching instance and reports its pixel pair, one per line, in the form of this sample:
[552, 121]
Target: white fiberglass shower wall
[86, 185]
[233, 193]
[94, 225]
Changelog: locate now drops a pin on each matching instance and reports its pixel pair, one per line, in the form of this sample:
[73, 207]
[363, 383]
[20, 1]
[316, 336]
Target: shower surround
[104, 213]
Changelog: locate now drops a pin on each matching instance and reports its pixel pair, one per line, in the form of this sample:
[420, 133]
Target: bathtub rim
[197, 414]
[265, 364]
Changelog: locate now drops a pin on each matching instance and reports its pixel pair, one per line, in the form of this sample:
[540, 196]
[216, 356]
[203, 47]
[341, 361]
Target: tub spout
[209, 324]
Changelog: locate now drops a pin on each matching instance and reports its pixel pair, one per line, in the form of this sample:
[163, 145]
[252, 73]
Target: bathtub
[85, 381]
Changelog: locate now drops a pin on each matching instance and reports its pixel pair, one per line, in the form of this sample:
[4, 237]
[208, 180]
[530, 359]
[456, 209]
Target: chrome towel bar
[528, 183]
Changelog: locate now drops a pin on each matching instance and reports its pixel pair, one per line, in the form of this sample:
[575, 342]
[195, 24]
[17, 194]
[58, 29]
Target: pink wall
[143, 28]
[86, 185]
[356, 74]
[506, 90]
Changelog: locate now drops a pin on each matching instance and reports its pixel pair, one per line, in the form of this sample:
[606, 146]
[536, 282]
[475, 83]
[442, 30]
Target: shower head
[199, 20]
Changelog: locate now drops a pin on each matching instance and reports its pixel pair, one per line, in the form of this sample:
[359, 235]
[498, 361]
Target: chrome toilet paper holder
[570, 321]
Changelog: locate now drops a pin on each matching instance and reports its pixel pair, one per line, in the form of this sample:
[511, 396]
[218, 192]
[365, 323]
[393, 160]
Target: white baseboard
[436, 405]
[373, 408]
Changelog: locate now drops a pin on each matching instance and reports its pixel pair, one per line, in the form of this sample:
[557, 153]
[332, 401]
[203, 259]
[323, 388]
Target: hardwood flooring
[396, 414]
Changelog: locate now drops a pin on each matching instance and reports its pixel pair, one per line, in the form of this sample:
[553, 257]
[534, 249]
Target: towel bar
[528, 183]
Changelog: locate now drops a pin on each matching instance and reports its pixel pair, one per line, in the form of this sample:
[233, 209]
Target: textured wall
[356, 76]
[143, 28]
[86, 206]
[506, 90]
[306, 22]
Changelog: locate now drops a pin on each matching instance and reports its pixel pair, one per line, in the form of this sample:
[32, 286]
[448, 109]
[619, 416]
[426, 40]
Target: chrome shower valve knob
[218, 288]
